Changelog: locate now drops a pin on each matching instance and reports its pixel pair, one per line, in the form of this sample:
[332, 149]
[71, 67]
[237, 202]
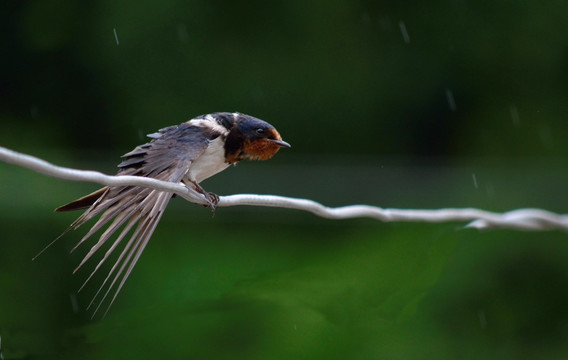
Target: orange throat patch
[260, 149]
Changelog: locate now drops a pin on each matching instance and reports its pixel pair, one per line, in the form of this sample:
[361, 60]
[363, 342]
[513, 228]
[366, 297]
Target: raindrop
[451, 100]
[490, 190]
[182, 32]
[482, 318]
[366, 19]
[404, 32]
[474, 180]
[34, 111]
[546, 137]
[74, 302]
[514, 115]
[385, 23]
[115, 36]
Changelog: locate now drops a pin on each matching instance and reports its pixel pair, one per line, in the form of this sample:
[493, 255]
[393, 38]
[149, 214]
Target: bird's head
[252, 139]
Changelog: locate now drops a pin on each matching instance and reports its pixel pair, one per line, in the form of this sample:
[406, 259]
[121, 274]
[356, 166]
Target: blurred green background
[412, 104]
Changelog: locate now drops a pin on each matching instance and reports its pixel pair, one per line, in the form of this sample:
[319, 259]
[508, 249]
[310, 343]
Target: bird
[187, 153]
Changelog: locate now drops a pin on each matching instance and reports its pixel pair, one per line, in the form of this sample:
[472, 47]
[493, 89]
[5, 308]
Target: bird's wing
[167, 157]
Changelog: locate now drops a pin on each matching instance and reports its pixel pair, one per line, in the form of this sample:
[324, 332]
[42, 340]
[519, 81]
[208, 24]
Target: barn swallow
[188, 153]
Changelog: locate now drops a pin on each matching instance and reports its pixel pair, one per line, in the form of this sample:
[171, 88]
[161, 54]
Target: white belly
[209, 163]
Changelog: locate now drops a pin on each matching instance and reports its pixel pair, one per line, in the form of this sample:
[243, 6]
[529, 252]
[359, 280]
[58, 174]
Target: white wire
[520, 219]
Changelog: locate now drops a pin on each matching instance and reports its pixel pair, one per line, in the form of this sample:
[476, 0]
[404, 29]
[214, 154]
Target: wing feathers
[167, 157]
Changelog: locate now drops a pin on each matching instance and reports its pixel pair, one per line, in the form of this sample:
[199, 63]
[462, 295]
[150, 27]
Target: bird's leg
[212, 199]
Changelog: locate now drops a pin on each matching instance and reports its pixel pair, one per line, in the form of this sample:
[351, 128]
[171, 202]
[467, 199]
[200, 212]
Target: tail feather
[150, 211]
[109, 208]
[112, 270]
[119, 208]
[148, 226]
[119, 220]
[84, 202]
[123, 233]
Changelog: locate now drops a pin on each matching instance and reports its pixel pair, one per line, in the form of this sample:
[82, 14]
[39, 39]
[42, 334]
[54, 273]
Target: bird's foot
[212, 199]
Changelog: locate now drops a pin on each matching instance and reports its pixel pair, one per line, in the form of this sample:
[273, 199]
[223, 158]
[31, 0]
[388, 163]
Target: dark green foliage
[478, 92]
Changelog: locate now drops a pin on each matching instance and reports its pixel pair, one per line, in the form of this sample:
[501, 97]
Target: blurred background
[414, 104]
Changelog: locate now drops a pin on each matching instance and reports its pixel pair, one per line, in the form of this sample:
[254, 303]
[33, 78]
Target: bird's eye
[260, 131]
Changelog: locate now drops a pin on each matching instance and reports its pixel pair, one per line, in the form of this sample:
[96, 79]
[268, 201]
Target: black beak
[281, 143]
